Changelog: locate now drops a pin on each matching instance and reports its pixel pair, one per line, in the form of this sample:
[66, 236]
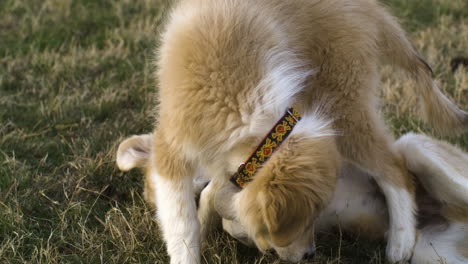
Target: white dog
[441, 173]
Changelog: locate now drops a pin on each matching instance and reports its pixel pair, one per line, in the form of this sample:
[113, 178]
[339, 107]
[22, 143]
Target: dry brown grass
[76, 78]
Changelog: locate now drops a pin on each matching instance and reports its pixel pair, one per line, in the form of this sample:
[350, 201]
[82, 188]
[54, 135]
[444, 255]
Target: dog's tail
[441, 113]
[440, 167]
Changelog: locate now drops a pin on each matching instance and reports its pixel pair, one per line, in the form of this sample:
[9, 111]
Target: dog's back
[229, 69]
[235, 65]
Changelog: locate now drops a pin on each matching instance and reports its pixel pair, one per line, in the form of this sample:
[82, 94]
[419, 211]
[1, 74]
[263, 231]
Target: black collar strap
[270, 143]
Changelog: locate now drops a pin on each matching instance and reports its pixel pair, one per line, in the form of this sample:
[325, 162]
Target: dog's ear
[294, 186]
[134, 152]
[285, 213]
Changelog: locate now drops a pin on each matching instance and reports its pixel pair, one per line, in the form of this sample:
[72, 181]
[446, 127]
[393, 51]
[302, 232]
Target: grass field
[76, 79]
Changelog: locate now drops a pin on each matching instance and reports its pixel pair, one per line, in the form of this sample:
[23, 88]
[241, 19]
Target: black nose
[308, 256]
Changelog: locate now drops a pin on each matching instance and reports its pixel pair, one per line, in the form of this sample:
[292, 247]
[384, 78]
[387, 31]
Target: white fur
[285, 76]
[134, 152]
[283, 79]
[438, 244]
[354, 197]
[448, 178]
[177, 215]
[401, 235]
[314, 125]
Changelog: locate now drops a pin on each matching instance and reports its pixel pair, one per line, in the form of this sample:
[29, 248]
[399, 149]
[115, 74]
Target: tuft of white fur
[313, 124]
[177, 215]
[284, 76]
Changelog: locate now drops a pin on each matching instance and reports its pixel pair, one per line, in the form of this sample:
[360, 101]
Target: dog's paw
[184, 260]
[400, 245]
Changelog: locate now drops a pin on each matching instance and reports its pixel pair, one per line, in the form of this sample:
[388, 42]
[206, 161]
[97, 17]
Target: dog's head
[278, 208]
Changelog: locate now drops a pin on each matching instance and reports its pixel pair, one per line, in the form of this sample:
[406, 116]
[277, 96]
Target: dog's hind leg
[366, 143]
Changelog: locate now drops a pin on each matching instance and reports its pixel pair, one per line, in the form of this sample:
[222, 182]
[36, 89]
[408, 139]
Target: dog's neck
[277, 135]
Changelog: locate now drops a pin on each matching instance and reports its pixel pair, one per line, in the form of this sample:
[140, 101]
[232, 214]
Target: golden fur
[293, 186]
[228, 69]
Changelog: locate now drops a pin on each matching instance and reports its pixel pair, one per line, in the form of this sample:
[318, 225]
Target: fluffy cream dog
[228, 70]
[441, 171]
[297, 181]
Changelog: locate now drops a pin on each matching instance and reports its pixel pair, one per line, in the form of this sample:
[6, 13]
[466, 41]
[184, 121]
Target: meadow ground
[76, 79]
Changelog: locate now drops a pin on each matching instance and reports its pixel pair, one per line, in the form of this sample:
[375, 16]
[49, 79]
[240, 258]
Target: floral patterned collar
[264, 151]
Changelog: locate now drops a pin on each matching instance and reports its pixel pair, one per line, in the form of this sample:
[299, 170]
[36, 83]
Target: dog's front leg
[177, 215]
[374, 153]
[207, 215]
[172, 178]
[402, 231]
